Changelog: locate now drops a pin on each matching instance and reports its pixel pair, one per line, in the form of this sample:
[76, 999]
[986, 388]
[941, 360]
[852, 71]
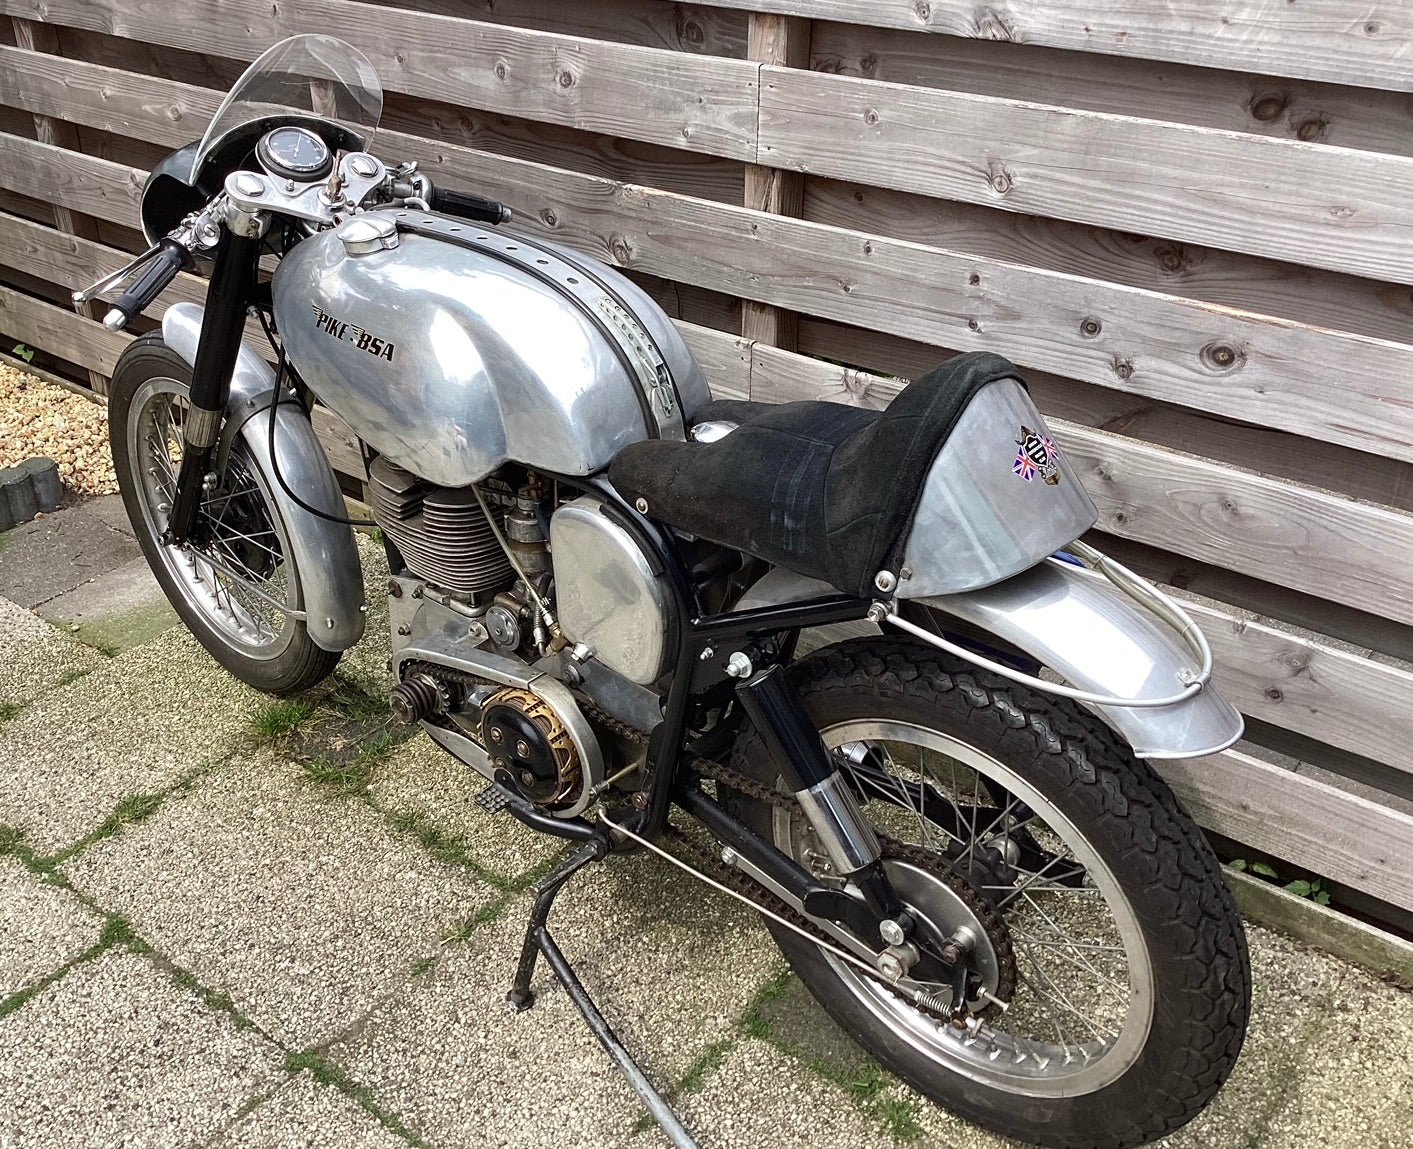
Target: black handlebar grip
[469, 206]
[171, 257]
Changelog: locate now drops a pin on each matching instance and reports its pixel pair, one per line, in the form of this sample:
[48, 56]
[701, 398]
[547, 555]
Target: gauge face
[294, 153]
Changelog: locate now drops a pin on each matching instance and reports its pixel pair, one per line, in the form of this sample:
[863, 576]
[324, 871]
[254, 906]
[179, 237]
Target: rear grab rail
[1167, 610]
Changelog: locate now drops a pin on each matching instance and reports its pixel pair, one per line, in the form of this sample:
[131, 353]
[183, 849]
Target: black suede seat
[825, 489]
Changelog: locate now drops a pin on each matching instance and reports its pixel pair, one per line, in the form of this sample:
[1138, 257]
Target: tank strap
[576, 282]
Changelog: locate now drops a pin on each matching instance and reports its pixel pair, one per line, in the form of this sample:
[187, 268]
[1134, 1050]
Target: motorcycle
[599, 581]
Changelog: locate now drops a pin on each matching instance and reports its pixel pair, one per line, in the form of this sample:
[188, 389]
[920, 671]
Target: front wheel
[234, 582]
[1098, 910]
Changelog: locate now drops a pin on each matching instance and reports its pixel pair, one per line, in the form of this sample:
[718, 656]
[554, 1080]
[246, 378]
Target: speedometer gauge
[294, 153]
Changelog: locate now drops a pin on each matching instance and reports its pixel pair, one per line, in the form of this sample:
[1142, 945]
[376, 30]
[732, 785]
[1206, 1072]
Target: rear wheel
[234, 583]
[1106, 927]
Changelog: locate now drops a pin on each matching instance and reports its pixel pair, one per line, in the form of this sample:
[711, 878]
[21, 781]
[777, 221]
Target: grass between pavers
[327, 1073]
[117, 930]
[8, 710]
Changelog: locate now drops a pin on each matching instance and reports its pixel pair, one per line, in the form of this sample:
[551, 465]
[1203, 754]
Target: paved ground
[228, 922]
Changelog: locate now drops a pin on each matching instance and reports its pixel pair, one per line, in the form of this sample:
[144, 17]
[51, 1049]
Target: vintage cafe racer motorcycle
[599, 579]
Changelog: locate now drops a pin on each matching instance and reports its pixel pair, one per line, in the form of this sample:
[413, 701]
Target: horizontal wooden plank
[1239, 101]
[1306, 295]
[1310, 540]
[1325, 830]
[679, 27]
[1189, 352]
[1367, 44]
[1329, 207]
[705, 103]
[60, 331]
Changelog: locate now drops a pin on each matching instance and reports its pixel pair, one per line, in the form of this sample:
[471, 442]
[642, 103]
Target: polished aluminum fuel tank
[452, 348]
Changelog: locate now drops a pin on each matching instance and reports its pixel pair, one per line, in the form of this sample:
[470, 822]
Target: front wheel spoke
[1107, 984]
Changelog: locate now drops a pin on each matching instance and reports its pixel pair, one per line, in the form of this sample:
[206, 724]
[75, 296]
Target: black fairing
[167, 196]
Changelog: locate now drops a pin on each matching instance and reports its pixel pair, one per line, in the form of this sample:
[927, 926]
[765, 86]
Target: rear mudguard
[325, 553]
[1078, 625]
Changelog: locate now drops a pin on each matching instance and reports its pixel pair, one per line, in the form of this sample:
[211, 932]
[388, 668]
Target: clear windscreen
[306, 76]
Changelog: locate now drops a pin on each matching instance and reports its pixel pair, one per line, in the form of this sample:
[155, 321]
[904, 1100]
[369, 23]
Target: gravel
[39, 418]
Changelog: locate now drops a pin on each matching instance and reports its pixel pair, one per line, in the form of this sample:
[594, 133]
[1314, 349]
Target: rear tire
[248, 635]
[1176, 933]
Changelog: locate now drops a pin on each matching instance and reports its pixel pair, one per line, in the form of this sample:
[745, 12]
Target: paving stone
[761, 1096]
[58, 552]
[29, 487]
[305, 909]
[121, 608]
[41, 927]
[116, 1053]
[1352, 1087]
[423, 780]
[34, 657]
[305, 1115]
[109, 510]
[671, 965]
[139, 722]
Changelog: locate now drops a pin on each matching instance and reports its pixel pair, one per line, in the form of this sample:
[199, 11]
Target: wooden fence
[1191, 225]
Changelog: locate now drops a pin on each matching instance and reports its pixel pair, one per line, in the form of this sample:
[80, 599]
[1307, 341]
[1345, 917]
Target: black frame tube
[222, 328]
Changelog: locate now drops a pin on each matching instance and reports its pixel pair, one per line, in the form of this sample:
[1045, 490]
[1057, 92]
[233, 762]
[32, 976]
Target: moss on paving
[871, 1086]
[327, 1073]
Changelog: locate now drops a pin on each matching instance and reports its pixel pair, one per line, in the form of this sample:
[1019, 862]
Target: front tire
[236, 583]
[1132, 978]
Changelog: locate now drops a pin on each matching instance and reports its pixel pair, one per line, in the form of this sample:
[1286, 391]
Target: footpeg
[493, 799]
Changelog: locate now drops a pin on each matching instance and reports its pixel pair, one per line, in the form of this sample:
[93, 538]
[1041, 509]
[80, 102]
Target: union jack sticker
[1038, 455]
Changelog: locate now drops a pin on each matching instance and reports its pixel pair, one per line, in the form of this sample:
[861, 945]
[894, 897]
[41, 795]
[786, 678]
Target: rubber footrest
[492, 800]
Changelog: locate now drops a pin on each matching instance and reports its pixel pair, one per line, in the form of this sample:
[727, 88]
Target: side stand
[538, 940]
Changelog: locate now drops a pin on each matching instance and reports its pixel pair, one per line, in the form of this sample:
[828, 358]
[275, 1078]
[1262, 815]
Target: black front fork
[222, 327]
[826, 797]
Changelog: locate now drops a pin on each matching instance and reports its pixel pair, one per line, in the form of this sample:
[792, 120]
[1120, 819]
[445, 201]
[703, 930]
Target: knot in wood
[999, 178]
[548, 218]
[1372, 28]
[1090, 327]
[1312, 129]
[1172, 258]
[1222, 357]
[923, 11]
[973, 325]
[974, 279]
[1274, 694]
[870, 117]
[622, 250]
[692, 33]
[566, 78]
[1123, 368]
[1268, 106]
[500, 70]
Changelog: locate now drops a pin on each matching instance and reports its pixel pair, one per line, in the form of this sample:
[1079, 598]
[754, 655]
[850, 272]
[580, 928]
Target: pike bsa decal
[351, 333]
[1038, 455]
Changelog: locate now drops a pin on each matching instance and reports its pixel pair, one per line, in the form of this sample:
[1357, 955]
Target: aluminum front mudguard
[1095, 637]
[325, 552]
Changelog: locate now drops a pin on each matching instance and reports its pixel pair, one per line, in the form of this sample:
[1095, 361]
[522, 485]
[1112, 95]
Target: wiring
[279, 350]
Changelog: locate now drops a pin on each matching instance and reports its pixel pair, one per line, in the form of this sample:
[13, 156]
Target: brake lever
[110, 281]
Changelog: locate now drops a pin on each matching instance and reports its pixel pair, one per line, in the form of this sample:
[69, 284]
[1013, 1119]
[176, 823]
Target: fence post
[36, 37]
[782, 40]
